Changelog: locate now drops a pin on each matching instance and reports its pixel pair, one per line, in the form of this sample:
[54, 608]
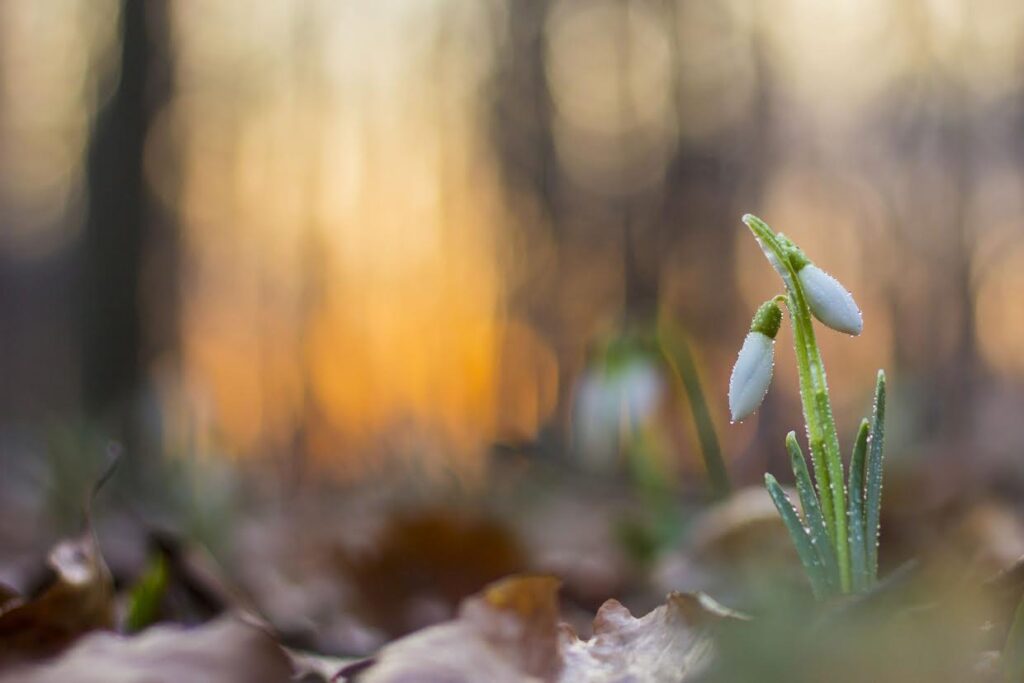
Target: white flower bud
[829, 301]
[751, 375]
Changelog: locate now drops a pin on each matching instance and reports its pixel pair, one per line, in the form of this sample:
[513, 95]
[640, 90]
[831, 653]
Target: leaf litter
[510, 633]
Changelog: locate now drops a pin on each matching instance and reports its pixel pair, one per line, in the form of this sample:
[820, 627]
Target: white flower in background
[752, 372]
[609, 402]
[829, 301]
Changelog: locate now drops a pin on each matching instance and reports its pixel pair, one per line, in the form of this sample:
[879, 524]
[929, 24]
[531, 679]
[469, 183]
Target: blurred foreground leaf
[669, 644]
[505, 634]
[79, 599]
[424, 562]
[227, 650]
[1013, 651]
[510, 633]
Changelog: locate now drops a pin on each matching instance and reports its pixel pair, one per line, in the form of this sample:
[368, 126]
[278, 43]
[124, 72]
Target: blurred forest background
[357, 242]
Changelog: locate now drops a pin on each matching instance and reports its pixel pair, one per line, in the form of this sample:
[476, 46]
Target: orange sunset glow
[403, 228]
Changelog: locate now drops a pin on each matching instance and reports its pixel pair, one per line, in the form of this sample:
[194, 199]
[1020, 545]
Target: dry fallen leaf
[424, 563]
[731, 546]
[226, 650]
[79, 599]
[310, 666]
[667, 645]
[8, 598]
[505, 634]
[743, 529]
[509, 633]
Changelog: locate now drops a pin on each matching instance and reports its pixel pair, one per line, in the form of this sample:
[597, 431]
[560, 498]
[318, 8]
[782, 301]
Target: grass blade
[145, 598]
[812, 513]
[680, 360]
[801, 539]
[1013, 651]
[862, 579]
[873, 478]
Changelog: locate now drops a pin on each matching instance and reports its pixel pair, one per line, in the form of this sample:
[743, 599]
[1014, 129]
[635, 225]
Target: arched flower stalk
[837, 535]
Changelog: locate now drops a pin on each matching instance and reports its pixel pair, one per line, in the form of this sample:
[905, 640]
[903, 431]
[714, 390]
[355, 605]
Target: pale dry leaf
[741, 535]
[423, 564]
[227, 650]
[509, 633]
[505, 634]
[310, 666]
[670, 644]
[9, 598]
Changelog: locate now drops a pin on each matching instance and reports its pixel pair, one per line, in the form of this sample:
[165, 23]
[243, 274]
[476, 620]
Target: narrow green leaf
[873, 478]
[676, 350]
[801, 539]
[812, 513]
[858, 552]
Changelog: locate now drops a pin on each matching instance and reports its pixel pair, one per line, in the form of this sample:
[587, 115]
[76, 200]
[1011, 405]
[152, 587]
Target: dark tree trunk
[120, 224]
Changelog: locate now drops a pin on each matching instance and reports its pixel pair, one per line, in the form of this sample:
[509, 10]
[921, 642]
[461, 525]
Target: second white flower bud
[755, 363]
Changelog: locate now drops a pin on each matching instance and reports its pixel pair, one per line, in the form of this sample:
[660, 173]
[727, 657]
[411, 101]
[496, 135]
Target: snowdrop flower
[752, 372]
[829, 301]
[609, 403]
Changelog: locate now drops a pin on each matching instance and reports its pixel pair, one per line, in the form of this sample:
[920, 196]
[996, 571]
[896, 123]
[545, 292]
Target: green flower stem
[815, 439]
[821, 428]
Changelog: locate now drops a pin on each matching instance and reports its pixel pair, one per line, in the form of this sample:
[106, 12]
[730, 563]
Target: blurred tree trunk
[120, 224]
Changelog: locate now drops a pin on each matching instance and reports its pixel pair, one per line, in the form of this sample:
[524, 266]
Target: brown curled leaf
[79, 599]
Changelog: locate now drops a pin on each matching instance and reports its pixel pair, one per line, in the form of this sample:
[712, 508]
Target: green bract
[837, 535]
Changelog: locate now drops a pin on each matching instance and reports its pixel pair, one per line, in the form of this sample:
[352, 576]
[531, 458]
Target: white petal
[751, 375]
[640, 387]
[608, 402]
[829, 301]
[595, 422]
